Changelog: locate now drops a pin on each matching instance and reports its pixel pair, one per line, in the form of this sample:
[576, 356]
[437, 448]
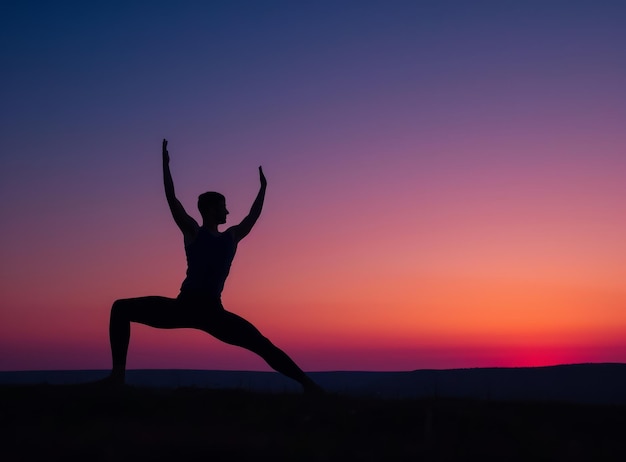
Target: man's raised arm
[186, 224]
[242, 229]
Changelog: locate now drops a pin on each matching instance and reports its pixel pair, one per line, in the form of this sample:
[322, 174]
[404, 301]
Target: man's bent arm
[242, 229]
[186, 224]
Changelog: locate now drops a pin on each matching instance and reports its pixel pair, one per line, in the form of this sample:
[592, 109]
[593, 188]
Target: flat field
[90, 423]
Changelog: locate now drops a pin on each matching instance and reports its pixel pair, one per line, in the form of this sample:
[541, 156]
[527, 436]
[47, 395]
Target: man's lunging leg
[153, 311]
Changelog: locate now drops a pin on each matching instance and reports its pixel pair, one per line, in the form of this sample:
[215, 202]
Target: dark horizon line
[609, 363]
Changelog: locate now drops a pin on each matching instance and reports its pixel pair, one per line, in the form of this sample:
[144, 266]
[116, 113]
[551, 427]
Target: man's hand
[262, 178]
[166, 155]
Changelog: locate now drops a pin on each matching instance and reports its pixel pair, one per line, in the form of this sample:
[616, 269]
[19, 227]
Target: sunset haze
[446, 179]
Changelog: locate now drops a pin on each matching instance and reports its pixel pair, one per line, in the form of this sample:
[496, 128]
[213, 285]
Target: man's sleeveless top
[208, 263]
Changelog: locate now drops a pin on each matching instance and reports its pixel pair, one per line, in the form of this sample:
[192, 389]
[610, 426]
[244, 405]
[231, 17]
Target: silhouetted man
[209, 256]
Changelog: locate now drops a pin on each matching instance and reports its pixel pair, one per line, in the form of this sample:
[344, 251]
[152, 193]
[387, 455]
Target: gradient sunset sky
[447, 179]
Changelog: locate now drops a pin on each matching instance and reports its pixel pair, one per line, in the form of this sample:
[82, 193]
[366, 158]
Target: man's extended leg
[235, 330]
[154, 311]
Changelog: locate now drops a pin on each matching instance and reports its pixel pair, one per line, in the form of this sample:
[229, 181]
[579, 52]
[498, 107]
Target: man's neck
[210, 226]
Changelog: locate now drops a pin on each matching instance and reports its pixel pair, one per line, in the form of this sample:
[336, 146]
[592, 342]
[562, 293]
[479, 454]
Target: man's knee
[119, 309]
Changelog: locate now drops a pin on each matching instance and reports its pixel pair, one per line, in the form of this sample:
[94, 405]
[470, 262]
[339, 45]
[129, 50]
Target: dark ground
[87, 423]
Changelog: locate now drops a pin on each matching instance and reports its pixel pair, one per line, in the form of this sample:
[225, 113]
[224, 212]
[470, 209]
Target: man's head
[212, 207]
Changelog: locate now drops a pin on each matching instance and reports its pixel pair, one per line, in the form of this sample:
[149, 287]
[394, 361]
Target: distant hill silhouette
[578, 383]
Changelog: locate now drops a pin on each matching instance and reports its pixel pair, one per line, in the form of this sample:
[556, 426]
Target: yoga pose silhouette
[209, 256]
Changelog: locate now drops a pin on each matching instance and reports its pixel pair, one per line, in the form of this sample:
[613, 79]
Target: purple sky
[446, 179]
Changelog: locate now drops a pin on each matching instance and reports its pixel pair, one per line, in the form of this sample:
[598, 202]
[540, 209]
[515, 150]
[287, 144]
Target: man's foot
[313, 389]
[113, 381]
